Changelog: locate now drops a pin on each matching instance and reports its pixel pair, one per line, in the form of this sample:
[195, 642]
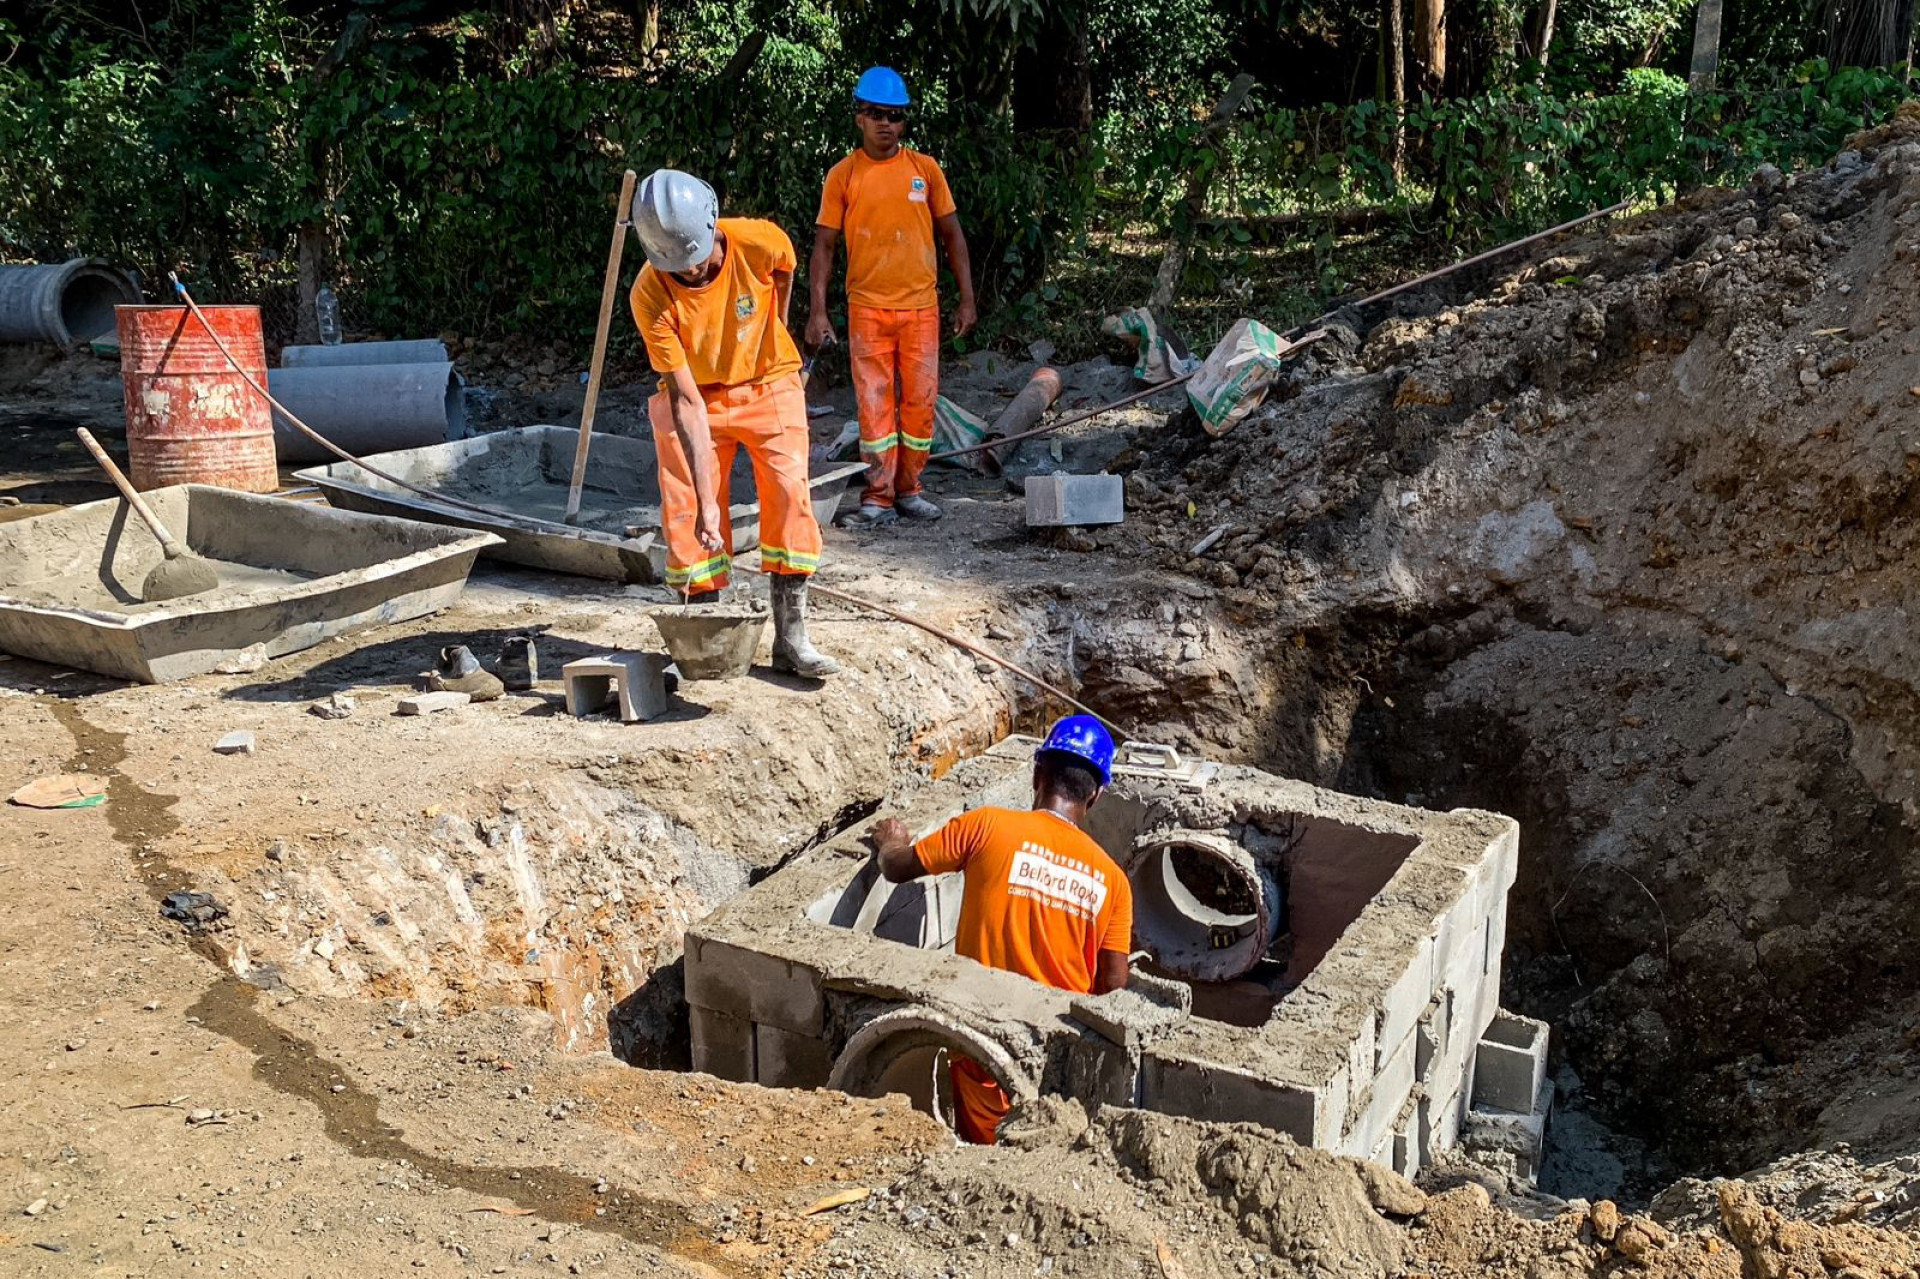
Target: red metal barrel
[191, 418]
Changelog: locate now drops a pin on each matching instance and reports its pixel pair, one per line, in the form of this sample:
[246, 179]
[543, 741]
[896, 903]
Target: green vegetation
[453, 166]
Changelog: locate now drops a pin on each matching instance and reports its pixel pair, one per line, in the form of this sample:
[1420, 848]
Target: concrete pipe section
[66, 304]
[367, 408]
[906, 1051]
[1202, 905]
[415, 351]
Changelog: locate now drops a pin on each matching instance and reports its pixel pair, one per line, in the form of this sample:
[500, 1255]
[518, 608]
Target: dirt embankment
[1624, 548]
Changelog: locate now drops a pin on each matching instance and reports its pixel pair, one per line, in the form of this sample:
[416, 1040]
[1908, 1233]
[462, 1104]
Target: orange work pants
[769, 420]
[979, 1103]
[896, 428]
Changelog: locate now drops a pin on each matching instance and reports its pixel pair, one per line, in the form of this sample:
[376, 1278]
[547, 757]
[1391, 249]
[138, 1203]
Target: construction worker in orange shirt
[711, 304]
[890, 202]
[1041, 898]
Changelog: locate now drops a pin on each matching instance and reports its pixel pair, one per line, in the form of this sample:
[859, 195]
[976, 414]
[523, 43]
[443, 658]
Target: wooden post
[1706, 47]
[608, 291]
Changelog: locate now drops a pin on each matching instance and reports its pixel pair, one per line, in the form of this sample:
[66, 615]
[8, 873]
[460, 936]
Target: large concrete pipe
[1204, 907]
[367, 408]
[417, 351]
[905, 1051]
[66, 304]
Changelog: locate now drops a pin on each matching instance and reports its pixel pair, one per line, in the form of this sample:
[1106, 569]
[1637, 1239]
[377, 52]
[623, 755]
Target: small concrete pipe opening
[1204, 907]
[907, 1052]
[67, 303]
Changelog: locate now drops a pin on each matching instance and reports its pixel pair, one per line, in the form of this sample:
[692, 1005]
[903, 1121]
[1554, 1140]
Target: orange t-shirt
[728, 331]
[886, 210]
[1043, 900]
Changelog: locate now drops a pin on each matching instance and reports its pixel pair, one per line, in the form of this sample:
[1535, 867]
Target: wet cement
[95, 591]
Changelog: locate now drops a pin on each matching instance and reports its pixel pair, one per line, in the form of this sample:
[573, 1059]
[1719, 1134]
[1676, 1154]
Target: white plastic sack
[1158, 357]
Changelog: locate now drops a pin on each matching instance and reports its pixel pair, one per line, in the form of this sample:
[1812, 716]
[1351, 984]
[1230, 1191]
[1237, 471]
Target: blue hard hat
[1085, 738]
[883, 87]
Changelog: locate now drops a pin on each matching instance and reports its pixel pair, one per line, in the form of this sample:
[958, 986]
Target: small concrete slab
[1128, 1017]
[238, 742]
[428, 703]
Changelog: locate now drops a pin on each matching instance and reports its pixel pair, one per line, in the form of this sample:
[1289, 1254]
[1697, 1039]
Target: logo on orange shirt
[1036, 871]
[743, 306]
[919, 192]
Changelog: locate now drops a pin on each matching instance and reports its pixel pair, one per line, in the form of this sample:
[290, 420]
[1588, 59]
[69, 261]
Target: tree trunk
[1053, 85]
[1393, 43]
[1542, 35]
[1868, 33]
[1706, 47]
[1430, 45]
[1173, 262]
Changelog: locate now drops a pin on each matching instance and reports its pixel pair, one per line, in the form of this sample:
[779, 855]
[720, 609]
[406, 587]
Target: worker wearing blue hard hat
[892, 204]
[1041, 898]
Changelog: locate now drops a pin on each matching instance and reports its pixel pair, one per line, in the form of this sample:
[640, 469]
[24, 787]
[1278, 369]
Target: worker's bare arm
[958, 258]
[893, 842]
[1109, 971]
[690, 424]
[826, 240]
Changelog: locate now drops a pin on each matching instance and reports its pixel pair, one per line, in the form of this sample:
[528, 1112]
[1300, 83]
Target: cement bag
[1236, 376]
[955, 428]
[1160, 356]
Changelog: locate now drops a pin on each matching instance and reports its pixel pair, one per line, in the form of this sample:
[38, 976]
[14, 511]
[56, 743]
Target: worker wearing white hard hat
[711, 304]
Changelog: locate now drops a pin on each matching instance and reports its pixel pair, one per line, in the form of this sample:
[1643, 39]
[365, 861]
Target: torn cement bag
[955, 428]
[1236, 376]
[1161, 355]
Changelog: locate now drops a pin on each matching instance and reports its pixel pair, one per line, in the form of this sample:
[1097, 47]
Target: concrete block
[1404, 1156]
[1404, 1003]
[1127, 1017]
[1364, 1057]
[637, 681]
[1383, 1102]
[1060, 500]
[1199, 1090]
[722, 1045]
[428, 703]
[1102, 1072]
[782, 1059]
[1510, 1064]
[1430, 1040]
[753, 987]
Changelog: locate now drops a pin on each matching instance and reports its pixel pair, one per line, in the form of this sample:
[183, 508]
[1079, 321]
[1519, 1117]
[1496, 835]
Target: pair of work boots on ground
[793, 652]
[914, 506]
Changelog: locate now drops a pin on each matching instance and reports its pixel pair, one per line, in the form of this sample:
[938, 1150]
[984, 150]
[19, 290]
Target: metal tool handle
[167, 543]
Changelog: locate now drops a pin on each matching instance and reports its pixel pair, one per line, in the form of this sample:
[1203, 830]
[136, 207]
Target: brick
[1061, 500]
[753, 987]
[1510, 1064]
[722, 1045]
[428, 703]
[1404, 1002]
[637, 681]
[782, 1059]
[1198, 1090]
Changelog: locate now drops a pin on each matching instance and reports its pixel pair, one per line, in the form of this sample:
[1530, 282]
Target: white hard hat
[674, 213]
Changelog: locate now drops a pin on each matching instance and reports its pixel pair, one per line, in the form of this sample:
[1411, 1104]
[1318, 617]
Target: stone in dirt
[338, 706]
[428, 703]
[238, 742]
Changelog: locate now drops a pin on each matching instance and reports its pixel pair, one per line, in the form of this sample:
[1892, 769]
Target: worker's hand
[706, 527]
[819, 331]
[889, 833]
[964, 317]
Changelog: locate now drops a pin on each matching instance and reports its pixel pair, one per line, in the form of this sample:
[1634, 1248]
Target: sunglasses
[884, 113]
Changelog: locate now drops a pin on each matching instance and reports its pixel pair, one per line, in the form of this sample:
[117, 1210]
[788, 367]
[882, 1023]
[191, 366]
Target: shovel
[181, 572]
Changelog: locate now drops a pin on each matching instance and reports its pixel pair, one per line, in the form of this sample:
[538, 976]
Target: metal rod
[1431, 276]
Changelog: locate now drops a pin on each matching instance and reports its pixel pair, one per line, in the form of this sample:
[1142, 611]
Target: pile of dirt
[1622, 548]
[1127, 1192]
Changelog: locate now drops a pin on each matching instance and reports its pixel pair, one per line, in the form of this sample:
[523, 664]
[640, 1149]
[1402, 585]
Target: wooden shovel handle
[138, 503]
[607, 293]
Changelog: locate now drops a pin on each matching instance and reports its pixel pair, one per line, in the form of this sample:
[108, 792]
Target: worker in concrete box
[1041, 898]
[711, 304]
[890, 202]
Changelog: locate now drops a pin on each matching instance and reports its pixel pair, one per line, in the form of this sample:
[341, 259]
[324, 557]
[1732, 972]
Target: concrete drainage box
[1324, 965]
[292, 574]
